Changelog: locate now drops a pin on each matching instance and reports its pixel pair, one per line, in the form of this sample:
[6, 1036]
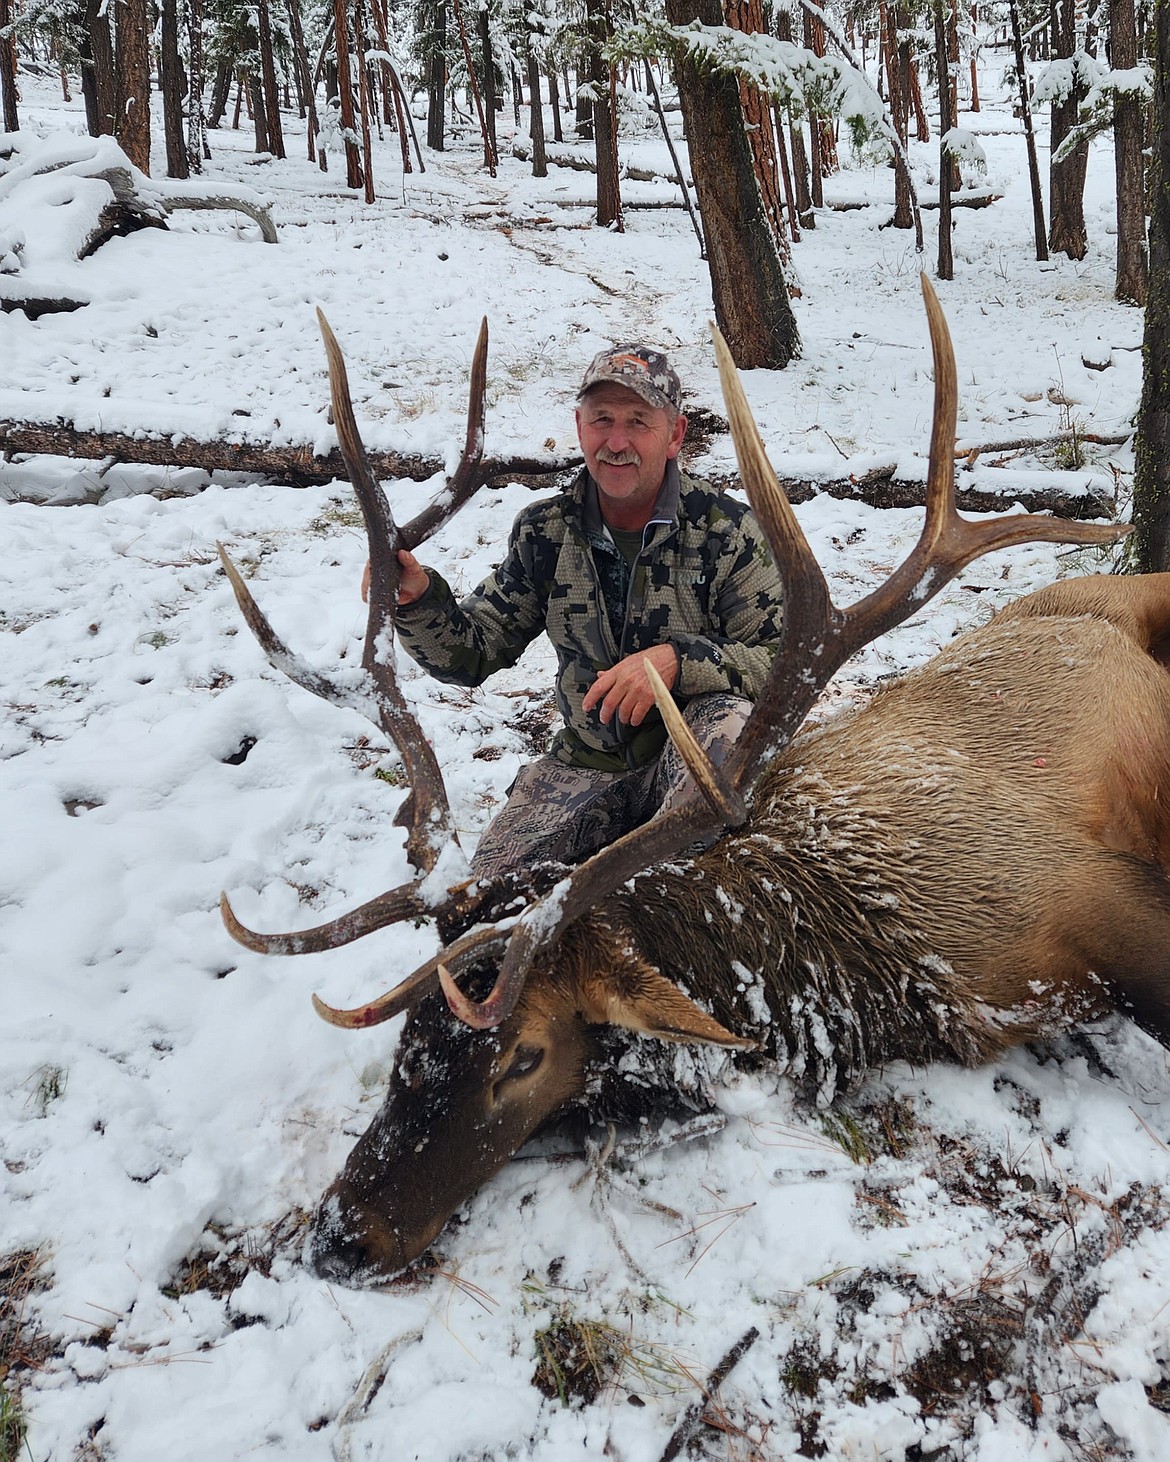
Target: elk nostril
[352, 1247]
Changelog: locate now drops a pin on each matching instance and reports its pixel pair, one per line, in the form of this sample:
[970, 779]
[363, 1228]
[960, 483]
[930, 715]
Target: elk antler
[425, 812]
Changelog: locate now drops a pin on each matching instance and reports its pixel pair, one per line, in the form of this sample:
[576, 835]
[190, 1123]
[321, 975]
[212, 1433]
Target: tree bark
[584, 101]
[259, 114]
[1029, 134]
[172, 81]
[268, 79]
[604, 131]
[197, 147]
[554, 103]
[748, 16]
[536, 115]
[353, 160]
[8, 107]
[802, 197]
[364, 104]
[437, 77]
[1151, 487]
[946, 263]
[898, 79]
[489, 79]
[1128, 136]
[301, 62]
[748, 285]
[132, 127]
[221, 93]
[1066, 229]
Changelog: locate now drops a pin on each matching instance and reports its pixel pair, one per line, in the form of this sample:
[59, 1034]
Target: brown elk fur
[976, 858]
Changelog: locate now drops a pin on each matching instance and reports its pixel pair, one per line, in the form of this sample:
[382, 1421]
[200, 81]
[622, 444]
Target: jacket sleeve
[464, 641]
[744, 621]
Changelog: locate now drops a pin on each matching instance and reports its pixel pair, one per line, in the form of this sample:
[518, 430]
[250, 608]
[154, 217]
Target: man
[634, 562]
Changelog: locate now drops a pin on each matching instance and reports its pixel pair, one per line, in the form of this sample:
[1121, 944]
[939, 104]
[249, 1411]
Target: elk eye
[525, 1061]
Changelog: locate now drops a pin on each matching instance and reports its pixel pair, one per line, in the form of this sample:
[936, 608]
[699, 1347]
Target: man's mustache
[628, 458]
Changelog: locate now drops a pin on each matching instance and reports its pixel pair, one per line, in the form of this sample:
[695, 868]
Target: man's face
[627, 444]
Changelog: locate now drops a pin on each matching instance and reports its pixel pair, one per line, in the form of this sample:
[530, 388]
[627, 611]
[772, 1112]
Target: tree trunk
[584, 101]
[197, 147]
[301, 62]
[921, 120]
[748, 16]
[898, 78]
[1029, 134]
[1066, 230]
[536, 116]
[363, 74]
[822, 143]
[1151, 487]
[221, 93]
[132, 71]
[609, 198]
[268, 80]
[490, 104]
[8, 107]
[554, 102]
[748, 286]
[437, 77]
[802, 197]
[259, 115]
[353, 161]
[172, 80]
[1128, 133]
[946, 264]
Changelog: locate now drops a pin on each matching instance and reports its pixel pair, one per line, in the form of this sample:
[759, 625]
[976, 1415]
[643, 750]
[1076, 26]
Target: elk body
[976, 858]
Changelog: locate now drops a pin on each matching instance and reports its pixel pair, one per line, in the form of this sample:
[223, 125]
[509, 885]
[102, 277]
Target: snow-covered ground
[963, 1264]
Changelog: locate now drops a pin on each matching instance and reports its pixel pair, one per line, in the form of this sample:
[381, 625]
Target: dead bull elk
[976, 858]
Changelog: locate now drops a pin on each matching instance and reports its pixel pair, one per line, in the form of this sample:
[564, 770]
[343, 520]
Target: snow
[169, 1097]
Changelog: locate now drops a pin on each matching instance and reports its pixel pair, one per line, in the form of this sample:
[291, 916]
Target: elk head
[519, 1017]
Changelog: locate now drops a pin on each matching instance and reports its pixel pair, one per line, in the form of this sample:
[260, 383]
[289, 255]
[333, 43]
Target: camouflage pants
[564, 814]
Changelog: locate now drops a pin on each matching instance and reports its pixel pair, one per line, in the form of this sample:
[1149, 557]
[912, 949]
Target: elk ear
[638, 998]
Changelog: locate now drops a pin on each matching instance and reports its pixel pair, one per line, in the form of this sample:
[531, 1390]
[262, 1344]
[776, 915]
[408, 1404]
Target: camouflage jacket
[704, 582]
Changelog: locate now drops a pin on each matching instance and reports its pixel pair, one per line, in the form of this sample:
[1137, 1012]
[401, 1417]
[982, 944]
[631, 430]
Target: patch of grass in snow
[341, 513]
[578, 1357]
[23, 1346]
[46, 1085]
[223, 1260]
[870, 1126]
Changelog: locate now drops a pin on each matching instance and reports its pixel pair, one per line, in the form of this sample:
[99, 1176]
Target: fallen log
[996, 489]
[297, 465]
[1075, 496]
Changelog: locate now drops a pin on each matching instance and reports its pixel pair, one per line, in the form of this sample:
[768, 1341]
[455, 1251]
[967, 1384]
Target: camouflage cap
[639, 368]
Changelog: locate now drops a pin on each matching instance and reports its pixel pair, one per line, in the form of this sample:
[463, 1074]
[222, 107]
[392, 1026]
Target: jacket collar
[665, 505]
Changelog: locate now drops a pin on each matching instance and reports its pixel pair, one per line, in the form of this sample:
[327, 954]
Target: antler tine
[468, 478]
[458, 956]
[723, 800]
[810, 618]
[425, 812]
[391, 907]
[948, 542]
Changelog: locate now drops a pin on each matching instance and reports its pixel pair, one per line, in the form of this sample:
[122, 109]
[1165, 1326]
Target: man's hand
[626, 690]
[413, 584]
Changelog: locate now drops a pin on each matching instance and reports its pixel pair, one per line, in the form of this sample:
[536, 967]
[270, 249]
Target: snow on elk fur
[828, 929]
